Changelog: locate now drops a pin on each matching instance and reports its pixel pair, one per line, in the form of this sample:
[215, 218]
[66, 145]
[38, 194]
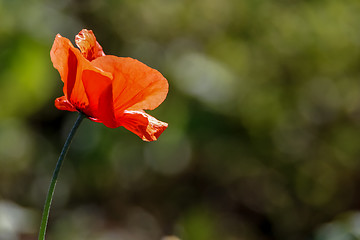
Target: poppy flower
[111, 90]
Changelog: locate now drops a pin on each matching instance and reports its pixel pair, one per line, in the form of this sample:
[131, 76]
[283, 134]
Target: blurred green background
[263, 111]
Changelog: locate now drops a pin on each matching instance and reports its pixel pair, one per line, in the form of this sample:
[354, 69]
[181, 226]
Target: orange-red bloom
[108, 89]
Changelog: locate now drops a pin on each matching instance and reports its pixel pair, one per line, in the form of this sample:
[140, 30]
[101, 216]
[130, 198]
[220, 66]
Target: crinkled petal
[88, 45]
[142, 124]
[108, 89]
[71, 65]
[68, 61]
[62, 103]
[99, 91]
[135, 85]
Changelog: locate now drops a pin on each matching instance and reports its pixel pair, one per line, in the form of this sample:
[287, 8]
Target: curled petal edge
[62, 103]
[88, 45]
[142, 124]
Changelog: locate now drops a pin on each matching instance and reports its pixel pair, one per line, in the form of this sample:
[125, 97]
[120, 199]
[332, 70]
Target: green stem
[49, 197]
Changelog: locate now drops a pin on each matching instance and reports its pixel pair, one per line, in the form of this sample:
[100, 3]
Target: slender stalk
[49, 197]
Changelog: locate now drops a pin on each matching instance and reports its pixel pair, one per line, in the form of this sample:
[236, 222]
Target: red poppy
[108, 89]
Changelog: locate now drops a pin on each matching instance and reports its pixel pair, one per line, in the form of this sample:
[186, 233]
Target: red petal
[142, 124]
[99, 91]
[135, 85]
[68, 60]
[63, 104]
[71, 65]
[88, 45]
